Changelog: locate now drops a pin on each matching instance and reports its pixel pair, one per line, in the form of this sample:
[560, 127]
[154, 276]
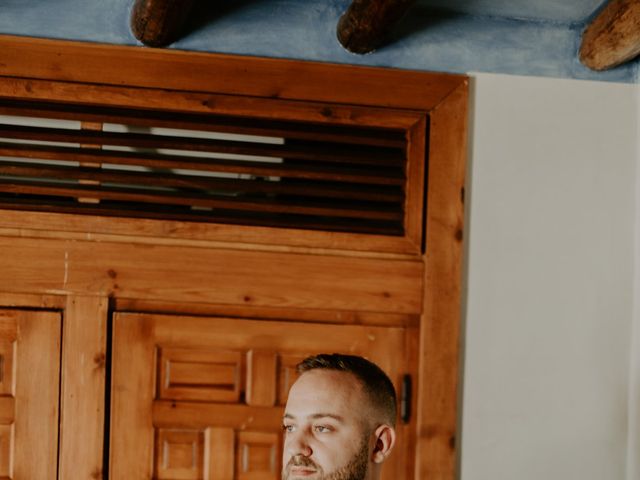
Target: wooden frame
[411, 122]
[388, 282]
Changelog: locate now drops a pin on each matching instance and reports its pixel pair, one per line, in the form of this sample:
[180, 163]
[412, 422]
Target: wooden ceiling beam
[613, 37]
[157, 23]
[366, 23]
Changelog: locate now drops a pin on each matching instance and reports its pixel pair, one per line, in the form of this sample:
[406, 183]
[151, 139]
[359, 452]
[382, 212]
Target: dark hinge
[405, 399]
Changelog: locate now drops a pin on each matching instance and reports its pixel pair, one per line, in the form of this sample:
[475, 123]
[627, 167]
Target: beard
[356, 469]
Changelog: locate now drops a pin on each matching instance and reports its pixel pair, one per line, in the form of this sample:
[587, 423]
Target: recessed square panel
[179, 454]
[200, 375]
[258, 456]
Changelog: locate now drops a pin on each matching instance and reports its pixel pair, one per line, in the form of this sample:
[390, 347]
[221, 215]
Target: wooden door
[202, 398]
[29, 392]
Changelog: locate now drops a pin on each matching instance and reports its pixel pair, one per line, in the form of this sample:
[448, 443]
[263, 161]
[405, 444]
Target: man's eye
[287, 428]
[322, 429]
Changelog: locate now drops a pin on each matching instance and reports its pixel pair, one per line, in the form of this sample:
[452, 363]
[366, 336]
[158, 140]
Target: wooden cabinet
[151, 316]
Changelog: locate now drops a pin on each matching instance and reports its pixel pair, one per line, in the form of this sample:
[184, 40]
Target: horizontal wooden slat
[376, 176]
[382, 137]
[364, 211]
[315, 151]
[190, 274]
[199, 415]
[328, 225]
[378, 193]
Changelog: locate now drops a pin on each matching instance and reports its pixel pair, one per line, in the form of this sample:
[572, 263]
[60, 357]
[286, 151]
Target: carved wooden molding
[366, 23]
[158, 23]
[613, 37]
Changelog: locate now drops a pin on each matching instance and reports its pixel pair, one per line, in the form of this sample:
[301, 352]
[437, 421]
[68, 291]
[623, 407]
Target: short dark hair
[376, 384]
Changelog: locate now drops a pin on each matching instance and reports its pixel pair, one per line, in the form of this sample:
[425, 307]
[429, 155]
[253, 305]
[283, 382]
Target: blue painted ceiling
[562, 11]
[524, 37]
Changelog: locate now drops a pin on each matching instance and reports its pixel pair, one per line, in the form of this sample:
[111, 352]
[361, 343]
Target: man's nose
[298, 444]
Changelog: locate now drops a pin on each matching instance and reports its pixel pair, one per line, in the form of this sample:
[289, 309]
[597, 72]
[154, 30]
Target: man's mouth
[302, 471]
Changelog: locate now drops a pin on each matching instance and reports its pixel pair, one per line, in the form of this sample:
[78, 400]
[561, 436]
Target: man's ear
[385, 438]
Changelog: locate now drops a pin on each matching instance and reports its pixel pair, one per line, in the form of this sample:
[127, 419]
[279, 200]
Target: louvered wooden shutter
[204, 168]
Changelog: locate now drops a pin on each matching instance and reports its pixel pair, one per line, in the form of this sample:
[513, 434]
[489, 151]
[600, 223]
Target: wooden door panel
[29, 393]
[179, 454]
[199, 375]
[202, 398]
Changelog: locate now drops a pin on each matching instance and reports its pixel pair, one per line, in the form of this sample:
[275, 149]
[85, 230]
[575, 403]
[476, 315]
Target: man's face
[326, 437]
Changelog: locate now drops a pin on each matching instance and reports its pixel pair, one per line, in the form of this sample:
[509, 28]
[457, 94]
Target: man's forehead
[326, 380]
[324, 391]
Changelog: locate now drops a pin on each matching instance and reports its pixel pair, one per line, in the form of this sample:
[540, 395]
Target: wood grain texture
[261, 378]
[271, 109]
[132, 435]
[49, 302]
[188, 274]
[158, 23]
[613, 37]
[416, 175]
[381, 343]
[83, 388]
[219, 454]
[367, 23]
[266, 313]
[440, 329]
[153, 231]
[171, 414]
[222, 74]
[35, 453]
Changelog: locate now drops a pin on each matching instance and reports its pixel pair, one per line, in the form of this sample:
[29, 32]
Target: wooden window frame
[108, 74]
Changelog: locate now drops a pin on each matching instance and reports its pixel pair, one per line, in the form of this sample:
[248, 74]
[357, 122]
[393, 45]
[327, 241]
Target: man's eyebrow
[317, 416]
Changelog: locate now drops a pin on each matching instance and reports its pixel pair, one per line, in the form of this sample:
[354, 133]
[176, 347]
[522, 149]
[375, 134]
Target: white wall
[633, 461]
[550, 290]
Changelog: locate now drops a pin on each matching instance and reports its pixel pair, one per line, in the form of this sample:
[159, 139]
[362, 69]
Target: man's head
[339, 420]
